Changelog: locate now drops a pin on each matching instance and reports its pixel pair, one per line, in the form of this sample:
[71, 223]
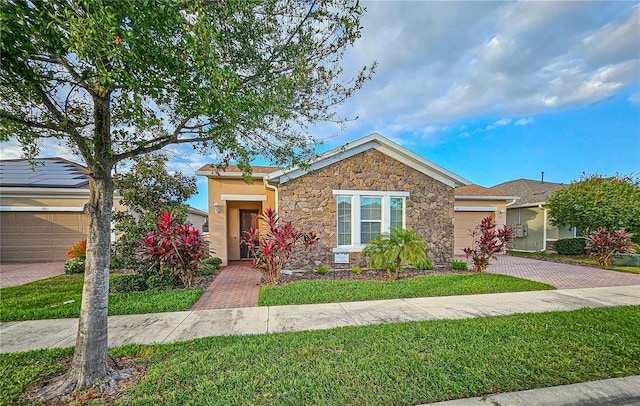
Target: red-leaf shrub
[606, 243]
[487, 243]
[78, 251]
[276, 244]
[174, 247]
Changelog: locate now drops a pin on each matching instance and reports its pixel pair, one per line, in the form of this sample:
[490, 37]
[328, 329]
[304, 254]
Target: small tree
[390, 251]
[174, 247]
[488, 242]
[607, 243]
[147, 189]
[597, 201]
[276, 244]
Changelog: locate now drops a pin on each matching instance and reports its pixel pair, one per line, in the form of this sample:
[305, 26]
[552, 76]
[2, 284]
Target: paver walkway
[19, 274]
[237, 285]
[560, 275]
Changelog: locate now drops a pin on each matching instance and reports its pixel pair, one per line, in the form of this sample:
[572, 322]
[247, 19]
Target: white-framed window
[364, 215]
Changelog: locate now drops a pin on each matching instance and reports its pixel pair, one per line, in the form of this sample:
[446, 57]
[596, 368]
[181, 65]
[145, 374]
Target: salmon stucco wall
[309, 203]
[224, 234]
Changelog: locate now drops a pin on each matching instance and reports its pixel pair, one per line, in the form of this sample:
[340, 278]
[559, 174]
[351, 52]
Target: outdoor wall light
[501, 213]
[217, 207]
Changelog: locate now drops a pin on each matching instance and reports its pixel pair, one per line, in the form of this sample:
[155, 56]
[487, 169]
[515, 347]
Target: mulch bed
[366, 275]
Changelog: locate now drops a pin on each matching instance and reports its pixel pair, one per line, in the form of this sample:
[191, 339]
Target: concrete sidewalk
[611, 392]
[179, 326]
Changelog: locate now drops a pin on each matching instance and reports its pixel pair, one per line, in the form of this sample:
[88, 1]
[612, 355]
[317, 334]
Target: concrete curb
[613, 392]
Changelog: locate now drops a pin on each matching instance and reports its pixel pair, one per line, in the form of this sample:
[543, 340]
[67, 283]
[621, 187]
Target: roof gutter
[267, 185]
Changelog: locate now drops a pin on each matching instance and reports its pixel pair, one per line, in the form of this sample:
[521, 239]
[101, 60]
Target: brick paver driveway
[19, 274]
[560, 275]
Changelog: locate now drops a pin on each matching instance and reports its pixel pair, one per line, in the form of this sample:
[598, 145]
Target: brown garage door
[40, 236]
[465, 221]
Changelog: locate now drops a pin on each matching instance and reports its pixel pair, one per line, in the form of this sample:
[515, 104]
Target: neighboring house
[41, 209]
[198, 219]
[348, 196]
[528, 216]
[473, 203]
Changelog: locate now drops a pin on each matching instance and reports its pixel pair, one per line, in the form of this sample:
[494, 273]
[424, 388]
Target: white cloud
[440, 62]
[524, 121]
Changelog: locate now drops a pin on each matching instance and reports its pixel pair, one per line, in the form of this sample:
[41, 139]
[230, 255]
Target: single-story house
[41, 209]
[473, 203]
[528, 216]
[347, 196]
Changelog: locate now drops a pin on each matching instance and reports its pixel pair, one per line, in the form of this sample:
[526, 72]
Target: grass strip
[60, 297]
[328, 291]
[390, 364]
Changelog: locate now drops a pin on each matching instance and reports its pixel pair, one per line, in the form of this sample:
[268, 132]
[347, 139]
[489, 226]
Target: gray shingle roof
[48, 172]
[531, 192]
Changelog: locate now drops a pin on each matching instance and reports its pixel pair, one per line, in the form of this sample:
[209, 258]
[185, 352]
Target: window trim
[356, 218]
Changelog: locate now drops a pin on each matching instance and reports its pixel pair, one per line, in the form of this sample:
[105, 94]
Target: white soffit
[244, 198]
[475, 208]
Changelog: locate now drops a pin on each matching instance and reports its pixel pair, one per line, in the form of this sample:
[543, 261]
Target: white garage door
[40, 236]
[465, 221]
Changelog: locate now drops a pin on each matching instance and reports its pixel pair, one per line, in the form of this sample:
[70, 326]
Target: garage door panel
[28, 236]
[464, 222]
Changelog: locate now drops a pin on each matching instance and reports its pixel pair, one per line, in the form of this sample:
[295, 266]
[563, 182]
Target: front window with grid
[364, 215]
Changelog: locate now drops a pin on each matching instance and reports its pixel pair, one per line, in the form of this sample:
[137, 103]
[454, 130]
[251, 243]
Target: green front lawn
[328, 291]
[389, 364]
[45, 299]
[575, 259]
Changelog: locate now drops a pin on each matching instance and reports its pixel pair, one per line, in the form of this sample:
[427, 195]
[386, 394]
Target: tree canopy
[598, 201]
[116, 79]
[234, 77]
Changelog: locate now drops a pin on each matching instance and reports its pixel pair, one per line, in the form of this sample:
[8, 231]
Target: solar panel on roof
[51, 174]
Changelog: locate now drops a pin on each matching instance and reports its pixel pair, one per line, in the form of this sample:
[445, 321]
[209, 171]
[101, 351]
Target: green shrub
[74, 265]
[162, 281]
[423, 264]
[356, 270]
[128, 283]
[207, 269]
[213, 261]
[322, 270]
[458, 265]
[571, 246]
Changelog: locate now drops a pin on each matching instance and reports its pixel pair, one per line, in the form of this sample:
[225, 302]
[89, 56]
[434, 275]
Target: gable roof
[232, 171]
[47, 173]
[477, 192]
[382, 144]
[531, 192]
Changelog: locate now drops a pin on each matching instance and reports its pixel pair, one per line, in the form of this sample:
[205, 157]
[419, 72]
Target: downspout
[544, 228]
[275, 189]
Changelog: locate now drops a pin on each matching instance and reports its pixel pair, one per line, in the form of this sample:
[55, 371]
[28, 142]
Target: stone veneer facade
[309, 203]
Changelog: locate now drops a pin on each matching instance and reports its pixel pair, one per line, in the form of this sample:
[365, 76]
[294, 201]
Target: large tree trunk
[89, 363]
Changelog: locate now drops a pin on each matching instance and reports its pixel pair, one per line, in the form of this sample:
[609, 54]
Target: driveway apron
[560, 275]
[13, 274]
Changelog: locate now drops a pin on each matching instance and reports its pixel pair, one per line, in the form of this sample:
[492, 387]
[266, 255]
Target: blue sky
[493, 91]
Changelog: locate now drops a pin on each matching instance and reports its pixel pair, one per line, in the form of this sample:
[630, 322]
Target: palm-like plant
[390, 251]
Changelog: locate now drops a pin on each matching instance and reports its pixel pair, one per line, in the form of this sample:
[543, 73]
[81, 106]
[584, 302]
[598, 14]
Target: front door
[248, 219]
